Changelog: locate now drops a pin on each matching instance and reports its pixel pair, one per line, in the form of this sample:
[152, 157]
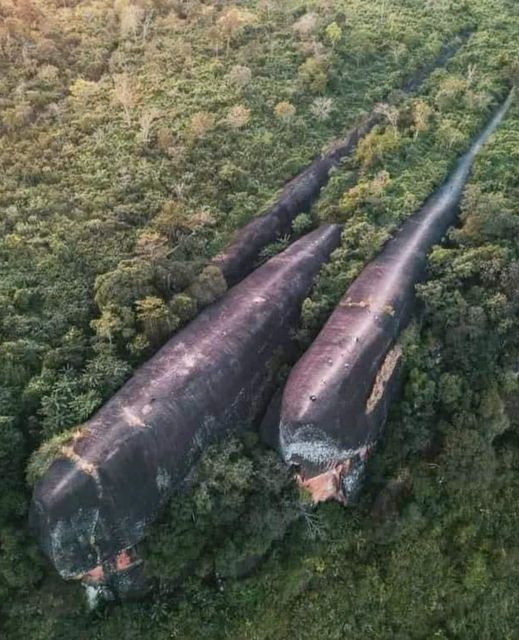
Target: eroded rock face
[95, 501]
[336, 397]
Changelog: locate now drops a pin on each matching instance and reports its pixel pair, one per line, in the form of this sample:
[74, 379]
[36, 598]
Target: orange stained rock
[96, 574]
[123, 561]
[327, 485]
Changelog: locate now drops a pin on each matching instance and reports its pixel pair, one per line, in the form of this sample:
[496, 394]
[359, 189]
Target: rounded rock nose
[303, 448]
[64, 516]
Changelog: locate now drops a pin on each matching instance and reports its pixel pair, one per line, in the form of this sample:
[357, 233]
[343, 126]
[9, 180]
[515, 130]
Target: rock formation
[94, 502]
[336, 397]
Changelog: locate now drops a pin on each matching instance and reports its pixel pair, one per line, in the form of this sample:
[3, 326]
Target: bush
[131, 280]
[208, 287]
[284, 111]
[183, 307]
[302, 224]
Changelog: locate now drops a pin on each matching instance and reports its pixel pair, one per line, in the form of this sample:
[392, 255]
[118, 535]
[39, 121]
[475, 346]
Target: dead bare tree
[146, 121]
[125, 95]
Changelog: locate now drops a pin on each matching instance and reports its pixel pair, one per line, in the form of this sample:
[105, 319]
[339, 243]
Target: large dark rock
[215, 375]
[336, 397]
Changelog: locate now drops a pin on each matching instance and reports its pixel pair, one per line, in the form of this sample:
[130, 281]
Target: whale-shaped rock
[94, 502]
[336, 397]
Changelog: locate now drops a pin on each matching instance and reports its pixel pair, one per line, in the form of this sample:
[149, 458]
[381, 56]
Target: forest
[137, 137]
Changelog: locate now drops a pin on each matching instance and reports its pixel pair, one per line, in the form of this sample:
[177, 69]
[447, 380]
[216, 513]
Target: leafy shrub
[208, 286]
[240, 500]
[131, 280]
[274, 248]
[183, 307]
[302, 223]
[284, 111]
